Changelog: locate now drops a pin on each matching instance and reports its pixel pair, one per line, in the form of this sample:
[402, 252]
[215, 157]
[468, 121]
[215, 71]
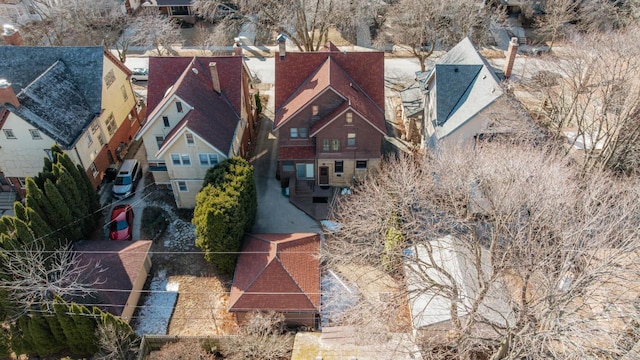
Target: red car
[121, 222]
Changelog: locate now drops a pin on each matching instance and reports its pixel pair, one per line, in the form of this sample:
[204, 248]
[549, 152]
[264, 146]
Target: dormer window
[179, 106]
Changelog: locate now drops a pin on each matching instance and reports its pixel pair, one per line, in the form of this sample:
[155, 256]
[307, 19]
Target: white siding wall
[22, 156]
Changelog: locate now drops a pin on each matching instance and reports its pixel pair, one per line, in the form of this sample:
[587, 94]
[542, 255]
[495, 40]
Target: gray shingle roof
[21, 65]
[454, 91]
[59, 88]
[462, 94]
[62, 115]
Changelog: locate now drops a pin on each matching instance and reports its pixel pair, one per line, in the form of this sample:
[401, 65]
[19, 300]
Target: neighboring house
[446, 262]
[24, 11]
[79, 98]
[329, 116]
[202, 113]
[179, 9]
[278, 272]
[463, 99]
[123, 270]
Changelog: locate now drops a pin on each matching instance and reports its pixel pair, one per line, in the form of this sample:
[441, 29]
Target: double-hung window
[208, 159]
[181, 159]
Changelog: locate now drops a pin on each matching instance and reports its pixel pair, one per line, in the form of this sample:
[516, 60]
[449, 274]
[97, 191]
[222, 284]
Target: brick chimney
[237, 47]
[511, 57]
[282, 46]
[7, 95]
[215, 78]
[11, 35]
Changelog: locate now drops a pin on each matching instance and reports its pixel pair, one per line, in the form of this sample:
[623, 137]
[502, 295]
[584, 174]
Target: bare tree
[32, 276]
[557, 14]
[262, 337]
[116, 342]
[152, 29]
[183, 349]
[77, 23]
[306, 23]
[515, 254]
[427, 25]
[596, 100]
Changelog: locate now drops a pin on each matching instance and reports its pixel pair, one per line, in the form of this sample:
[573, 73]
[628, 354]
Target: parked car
[121, 222]
[139, 74]
[127, 179]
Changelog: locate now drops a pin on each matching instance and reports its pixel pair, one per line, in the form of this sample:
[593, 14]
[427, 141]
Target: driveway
[275, 213]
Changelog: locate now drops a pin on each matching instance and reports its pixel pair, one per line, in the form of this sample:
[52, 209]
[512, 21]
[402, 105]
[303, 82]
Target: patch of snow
[158, 306]
[331, 226]
[336, 297]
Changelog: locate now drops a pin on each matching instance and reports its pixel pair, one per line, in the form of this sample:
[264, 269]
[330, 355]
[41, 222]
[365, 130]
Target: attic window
[189, 139]
[109, 78]
[35, 134]
[179, 106]
[9, 134]
[349, 117]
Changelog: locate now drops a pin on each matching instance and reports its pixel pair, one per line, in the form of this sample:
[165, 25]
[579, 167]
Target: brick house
[201, 113]
[329, 116]
[281, 273]
[79, 98]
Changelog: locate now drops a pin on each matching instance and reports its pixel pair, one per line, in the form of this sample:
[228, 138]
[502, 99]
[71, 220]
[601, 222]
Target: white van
[127, 179]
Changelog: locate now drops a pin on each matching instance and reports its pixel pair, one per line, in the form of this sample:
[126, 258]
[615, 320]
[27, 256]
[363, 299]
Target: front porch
[314, 200]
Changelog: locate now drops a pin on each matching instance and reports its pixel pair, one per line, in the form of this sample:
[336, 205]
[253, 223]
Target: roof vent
[195, 71]
[455, 69]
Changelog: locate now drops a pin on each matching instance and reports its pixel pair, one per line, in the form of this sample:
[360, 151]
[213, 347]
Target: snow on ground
[158, 306]
[336, 297]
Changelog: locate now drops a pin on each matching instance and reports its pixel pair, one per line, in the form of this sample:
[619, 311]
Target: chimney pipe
[237, 47]
[7, 95]
[11, 35]
[282, 46]
[511, 57]
[215, 79]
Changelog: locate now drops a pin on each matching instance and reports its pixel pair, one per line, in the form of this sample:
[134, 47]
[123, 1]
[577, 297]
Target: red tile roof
[279, 272]
[330, 74]
[123, 262]
[165, 71]
[297, 153]
[214, 116]
[365, 68]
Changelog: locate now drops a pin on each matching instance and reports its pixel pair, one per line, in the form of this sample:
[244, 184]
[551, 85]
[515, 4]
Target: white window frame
[88, 139]
[349, 117]
[23, 182]
[190, 139]
[209, 158]
[181, 159]
[366, 164]
[112, 127]
[159, 143]
[9, 134]
[35, 134]
[351, 139]
[182, 186]
[124, 93]
[94, 169]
